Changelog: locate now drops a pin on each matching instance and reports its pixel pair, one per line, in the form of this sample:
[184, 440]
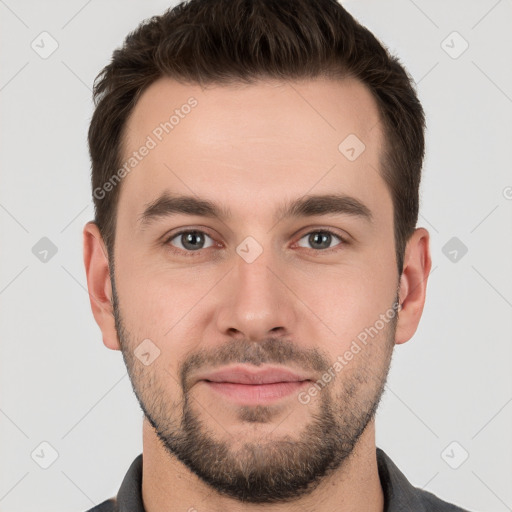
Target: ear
[413, 284]
[99, 285]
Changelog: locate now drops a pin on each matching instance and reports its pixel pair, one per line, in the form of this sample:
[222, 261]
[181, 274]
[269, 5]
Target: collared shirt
[399, 494]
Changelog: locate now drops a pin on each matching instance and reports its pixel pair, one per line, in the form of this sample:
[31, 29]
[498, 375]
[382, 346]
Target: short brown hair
[228, 41]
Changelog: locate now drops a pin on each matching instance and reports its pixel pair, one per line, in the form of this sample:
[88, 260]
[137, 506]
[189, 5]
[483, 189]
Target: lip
[254, 394]
[246, 385]
[243, 374]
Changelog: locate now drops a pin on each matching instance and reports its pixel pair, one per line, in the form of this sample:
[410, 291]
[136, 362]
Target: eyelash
[187, 253]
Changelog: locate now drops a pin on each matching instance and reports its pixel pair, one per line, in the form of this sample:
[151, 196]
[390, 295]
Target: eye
[193, 240]
[190, 241]
[320, 239]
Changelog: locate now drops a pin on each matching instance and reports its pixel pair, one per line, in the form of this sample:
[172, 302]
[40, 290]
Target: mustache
[270, 350]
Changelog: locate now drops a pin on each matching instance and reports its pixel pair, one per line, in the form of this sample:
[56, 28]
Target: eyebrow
[168, 205]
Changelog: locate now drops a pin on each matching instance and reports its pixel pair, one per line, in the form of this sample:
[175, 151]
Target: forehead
[270, 138]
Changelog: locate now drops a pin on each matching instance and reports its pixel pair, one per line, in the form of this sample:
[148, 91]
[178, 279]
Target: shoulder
[129, 496]
[107, 506]
[401, 496]
[434, 504]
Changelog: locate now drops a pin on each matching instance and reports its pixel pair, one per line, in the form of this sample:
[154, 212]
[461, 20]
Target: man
[255, 256]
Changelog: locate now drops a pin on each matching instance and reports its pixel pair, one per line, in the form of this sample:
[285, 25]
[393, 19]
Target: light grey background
[60, 385]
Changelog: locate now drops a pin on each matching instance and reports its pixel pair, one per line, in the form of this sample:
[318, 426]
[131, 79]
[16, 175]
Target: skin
[249, 148]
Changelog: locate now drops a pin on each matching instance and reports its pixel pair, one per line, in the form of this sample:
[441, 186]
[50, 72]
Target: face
[233, 278]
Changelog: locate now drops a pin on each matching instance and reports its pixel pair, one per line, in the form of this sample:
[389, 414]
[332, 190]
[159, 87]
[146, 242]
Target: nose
[257, 300]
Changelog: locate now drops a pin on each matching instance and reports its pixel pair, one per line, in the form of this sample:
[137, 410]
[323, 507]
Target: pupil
[190, 238]
[319, 238]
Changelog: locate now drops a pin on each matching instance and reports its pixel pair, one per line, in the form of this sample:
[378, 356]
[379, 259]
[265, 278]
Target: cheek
[345, 301]
[153, 296]
[164, 307]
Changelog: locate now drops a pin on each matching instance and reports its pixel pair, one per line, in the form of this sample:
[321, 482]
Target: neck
[167, 484]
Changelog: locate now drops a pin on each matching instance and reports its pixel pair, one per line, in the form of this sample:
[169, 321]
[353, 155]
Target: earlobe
[99, 284]
[413, 284]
